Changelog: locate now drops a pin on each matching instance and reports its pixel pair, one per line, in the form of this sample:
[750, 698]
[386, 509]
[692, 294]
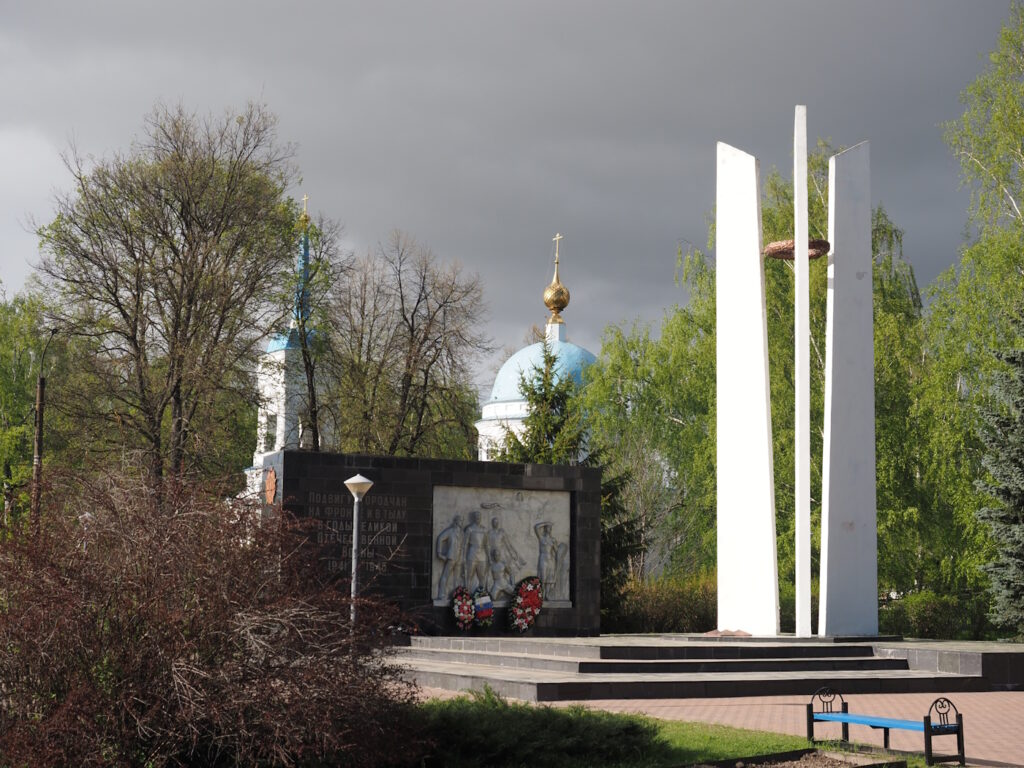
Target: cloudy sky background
[482, 128]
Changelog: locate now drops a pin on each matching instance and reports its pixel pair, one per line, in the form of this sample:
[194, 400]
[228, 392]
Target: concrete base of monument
[692, 666]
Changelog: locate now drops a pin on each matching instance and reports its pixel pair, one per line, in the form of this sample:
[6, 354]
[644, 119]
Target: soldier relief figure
[550, 561]
[449, 550]
[476, 553]
[501, 586]
[498, 540]
[476, 556]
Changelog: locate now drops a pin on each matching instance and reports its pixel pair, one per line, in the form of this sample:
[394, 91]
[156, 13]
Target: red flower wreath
[462, 607]
[525, 604]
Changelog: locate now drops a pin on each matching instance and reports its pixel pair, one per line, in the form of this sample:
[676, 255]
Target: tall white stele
[848, 602]
[802, 376]
[748, 584]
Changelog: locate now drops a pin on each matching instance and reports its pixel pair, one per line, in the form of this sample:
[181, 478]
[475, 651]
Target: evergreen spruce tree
[555, 433]
[1003, 437]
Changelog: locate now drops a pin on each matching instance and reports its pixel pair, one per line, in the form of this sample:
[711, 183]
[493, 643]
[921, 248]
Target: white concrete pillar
[802, 377]
[848, 601]
[748, 594]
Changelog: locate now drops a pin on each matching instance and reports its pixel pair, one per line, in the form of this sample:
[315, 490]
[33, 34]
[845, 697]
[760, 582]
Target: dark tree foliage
[555, 433]
[184, 631]
[1003, 437]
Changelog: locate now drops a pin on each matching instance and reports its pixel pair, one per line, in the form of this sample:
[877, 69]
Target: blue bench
[943, 719]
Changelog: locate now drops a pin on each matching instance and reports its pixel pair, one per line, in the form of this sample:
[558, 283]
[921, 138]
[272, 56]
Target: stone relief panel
[493, 537]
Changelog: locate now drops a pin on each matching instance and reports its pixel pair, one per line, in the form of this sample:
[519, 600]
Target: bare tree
[407, 331]
[166, 259]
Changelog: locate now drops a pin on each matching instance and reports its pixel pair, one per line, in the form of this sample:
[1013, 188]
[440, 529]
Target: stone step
[652, 666]
[584, 648]
[735, 651]
[532, 684]
[638, 647]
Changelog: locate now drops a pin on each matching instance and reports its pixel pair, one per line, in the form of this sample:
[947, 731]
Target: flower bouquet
[525, 604]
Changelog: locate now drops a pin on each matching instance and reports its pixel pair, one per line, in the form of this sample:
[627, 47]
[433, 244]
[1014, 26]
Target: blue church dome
[571, 359]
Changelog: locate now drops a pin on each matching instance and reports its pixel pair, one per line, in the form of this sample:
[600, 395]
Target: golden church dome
[556, 295]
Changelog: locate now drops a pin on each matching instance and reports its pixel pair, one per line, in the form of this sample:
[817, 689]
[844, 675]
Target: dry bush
[666, 604]
[136, 631]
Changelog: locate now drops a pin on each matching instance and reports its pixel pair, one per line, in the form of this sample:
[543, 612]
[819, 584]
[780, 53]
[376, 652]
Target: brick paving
[993, 722]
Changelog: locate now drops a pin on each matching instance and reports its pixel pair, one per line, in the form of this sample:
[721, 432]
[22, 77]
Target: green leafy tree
[21, 343]
[965, 321]
[650, 404]
[1002, 436]
[898, 333]
[987, 137]
[969, 318]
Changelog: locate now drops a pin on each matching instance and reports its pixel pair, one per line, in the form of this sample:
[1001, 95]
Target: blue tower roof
[288, 340]
[301, 311]
[570, 360]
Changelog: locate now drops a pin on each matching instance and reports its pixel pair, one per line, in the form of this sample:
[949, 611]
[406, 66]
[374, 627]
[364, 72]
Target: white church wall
[281, 383]
[491, 435]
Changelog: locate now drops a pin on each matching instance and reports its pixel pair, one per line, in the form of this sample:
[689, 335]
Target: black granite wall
[396, 522]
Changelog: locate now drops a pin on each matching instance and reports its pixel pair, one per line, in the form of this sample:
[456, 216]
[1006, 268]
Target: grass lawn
[482, 729]
[693, 742]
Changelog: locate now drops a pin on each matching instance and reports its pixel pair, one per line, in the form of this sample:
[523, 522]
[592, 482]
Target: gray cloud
[485, 128]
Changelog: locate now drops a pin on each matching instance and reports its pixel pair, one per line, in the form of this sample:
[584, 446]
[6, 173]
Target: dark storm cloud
[483, 129]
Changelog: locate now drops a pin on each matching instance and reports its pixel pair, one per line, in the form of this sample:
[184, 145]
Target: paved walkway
[993, 722]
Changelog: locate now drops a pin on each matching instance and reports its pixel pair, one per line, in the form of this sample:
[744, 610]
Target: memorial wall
[429, 525]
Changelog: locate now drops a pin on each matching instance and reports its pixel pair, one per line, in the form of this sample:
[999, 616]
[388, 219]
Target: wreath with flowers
[483, 607]
[462, 607]
[525, 604]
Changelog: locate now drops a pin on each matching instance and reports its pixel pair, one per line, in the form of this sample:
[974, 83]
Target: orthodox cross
[556, 238]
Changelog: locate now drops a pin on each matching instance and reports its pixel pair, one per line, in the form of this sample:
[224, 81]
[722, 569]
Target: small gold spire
[556, 295]
[304, 218]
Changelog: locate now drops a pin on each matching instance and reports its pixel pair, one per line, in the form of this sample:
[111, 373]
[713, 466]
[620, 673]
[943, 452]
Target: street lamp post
[359, 486]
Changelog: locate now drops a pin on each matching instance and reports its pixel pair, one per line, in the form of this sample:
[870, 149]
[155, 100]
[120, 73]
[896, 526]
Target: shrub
[922, 614]
[483, 729]
[173, 631]
[667, 604]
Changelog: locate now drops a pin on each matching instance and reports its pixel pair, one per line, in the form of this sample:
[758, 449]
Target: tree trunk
[313, 409]
[177, 453]
[8, 495]
[156, 461]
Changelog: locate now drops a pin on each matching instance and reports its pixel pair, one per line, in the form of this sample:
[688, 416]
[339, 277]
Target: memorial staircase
[667, 666]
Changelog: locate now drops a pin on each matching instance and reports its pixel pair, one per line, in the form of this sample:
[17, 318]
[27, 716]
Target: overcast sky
[484, 128]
